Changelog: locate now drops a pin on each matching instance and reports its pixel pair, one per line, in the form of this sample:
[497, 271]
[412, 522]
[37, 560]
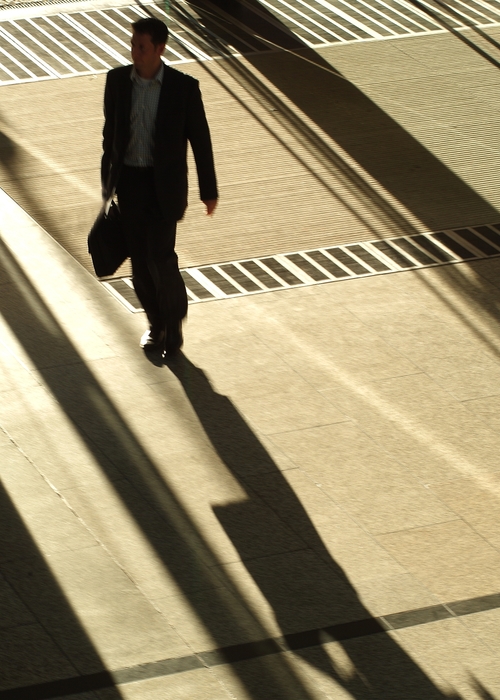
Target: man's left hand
[210, 205]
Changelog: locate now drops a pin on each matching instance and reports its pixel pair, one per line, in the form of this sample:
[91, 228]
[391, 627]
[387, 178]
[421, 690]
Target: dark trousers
[151, 240]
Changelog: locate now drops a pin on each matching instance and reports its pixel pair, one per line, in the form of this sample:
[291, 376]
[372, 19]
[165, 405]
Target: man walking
[151, 112]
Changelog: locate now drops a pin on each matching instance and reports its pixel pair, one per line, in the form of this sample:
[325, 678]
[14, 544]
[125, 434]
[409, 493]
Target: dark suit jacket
[180, 118]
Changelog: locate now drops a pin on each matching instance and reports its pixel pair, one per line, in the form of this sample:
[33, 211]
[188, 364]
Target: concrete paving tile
[487, 409]
[326, 671]
[484, 625]
[483, 681]
[202, 512]
[373, 666]
[246, 526]
[295, 407]
[162, 554]
[450, 559]
[90, 346]
[53, 526]
[384, 498]
[221, 435]
[208, 622]
[5, 440]
[122, 626]
[392, 594]
[30, 657]
[469, 377]
[324, 527]
[211, 322]
[278, 457]
[13, 612]
[243, 367]
[416, 395]
[281, 675]
[181, 686]
[108, 694]
[449, 650]
[46, 342]
[315, 312]
[15, 367]
[421, 337]
[293, 592]
[324, 345]
[421, 425]
[252, 453]
[381, 317]
[460, 438]
[476, 501]
[125, 380]
[50, 440]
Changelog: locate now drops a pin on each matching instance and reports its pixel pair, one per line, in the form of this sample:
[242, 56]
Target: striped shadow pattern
[321, 22]
[310, 267]
[85, 42]
[41, 43]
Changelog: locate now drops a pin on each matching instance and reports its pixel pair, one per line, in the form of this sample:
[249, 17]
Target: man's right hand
[210, 205]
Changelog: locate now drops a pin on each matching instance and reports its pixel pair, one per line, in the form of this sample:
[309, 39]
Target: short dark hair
[157, 30]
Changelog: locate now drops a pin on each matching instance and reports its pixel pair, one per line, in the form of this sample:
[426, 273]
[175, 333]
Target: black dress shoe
[174, 339]
[153, 340]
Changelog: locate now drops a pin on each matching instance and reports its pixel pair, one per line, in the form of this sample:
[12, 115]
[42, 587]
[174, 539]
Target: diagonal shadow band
[178, 542]
[305, 586]
[463, 20]
[30, 654]
[152, 505]
[387, 151]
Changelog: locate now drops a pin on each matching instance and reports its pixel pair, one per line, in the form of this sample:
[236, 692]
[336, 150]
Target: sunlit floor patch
[310, 267]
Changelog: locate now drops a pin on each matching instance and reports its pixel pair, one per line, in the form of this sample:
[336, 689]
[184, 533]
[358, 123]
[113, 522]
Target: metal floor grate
[319, 22]
[310, 267]
[67, 44]
[43, 43]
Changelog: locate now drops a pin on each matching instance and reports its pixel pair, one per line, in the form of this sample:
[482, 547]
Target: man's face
[146, 56]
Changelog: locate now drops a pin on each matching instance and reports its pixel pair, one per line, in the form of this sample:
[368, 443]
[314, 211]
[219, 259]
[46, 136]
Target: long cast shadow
[46, 652]
[173, 535]
[152, 505]
[384, 148]
[307, 588]
[371, 137]
[179, 544]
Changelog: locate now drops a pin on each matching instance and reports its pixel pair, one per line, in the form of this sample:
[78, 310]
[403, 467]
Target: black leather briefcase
[107, 243]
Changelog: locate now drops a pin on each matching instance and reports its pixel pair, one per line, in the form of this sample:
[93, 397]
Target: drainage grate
[310, 267]
[68, 44]
[319, 22]
[38, 45]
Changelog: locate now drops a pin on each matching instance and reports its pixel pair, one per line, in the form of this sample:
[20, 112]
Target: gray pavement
[305, 504]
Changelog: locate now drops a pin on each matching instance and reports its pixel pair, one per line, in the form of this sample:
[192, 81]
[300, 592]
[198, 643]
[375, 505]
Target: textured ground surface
[217, 527]
[305, 159]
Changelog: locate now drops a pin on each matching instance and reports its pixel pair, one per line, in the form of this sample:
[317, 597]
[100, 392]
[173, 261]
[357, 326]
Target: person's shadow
[307, 589]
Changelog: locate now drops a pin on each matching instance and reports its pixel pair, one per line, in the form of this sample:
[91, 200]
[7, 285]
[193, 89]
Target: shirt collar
[135, 77]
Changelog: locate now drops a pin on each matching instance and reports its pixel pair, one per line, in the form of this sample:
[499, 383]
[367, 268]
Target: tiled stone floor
[317, 457]
[231, 523]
